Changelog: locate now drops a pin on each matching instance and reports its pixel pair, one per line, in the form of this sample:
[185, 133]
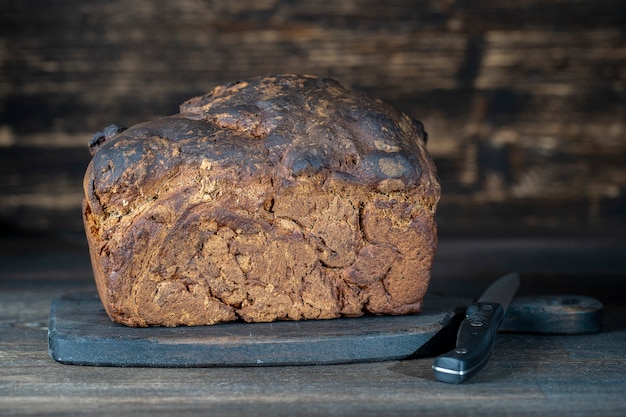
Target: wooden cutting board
[80, 333]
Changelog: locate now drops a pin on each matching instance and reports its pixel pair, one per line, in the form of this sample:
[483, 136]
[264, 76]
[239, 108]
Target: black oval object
[554, 314]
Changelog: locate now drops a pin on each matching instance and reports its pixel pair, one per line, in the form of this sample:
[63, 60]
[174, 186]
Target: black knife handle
[474, 344]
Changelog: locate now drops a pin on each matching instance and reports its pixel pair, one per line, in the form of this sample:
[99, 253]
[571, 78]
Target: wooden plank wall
[524, 101]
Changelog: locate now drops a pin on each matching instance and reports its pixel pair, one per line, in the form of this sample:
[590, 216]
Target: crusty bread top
[283, 127]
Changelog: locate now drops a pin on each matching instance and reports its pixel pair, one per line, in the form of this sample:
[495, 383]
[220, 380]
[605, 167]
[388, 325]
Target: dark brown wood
[527, 375]
[525, 103]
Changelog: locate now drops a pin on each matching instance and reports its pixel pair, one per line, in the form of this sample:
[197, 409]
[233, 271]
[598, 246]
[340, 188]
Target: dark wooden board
[80, 333]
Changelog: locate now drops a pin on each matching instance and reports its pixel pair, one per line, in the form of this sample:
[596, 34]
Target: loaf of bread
[284, 197]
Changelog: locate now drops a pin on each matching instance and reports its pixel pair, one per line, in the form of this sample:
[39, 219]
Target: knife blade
[477, 333]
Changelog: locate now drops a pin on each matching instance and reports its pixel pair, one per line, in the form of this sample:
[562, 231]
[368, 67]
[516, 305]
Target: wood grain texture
[525, 104]
[527, 375]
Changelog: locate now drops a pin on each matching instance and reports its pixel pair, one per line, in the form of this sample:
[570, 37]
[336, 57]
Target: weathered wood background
[524, 101]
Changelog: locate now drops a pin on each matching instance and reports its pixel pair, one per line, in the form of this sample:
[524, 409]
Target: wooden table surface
[527, 375]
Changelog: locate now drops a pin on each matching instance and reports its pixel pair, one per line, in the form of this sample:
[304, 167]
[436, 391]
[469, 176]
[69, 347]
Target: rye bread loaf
[281, 197]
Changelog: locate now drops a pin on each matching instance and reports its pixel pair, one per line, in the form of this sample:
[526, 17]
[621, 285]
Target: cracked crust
[282, 197]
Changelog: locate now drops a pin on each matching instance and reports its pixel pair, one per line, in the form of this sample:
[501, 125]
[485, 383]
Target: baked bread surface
[284, 197]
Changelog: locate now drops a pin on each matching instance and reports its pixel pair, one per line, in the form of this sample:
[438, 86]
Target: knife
[477, 333]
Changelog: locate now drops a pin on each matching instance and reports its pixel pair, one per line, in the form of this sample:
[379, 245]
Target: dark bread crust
[281, 197]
